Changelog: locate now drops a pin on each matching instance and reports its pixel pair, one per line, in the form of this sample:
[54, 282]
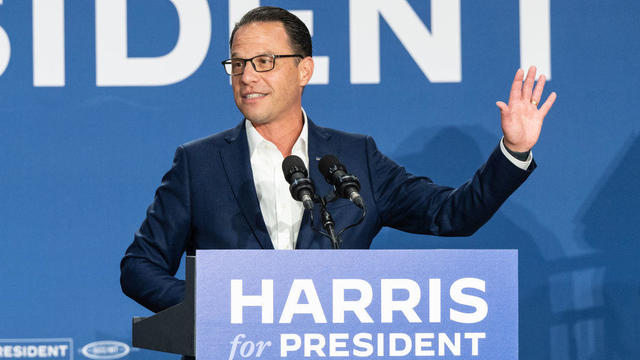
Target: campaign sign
[448, 304]
[41, 348]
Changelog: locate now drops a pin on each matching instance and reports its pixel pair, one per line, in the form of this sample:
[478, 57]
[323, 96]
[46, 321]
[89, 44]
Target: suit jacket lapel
[237, 166]
[320, 144]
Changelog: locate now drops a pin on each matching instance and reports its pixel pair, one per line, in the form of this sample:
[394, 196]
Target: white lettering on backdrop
[436, 51]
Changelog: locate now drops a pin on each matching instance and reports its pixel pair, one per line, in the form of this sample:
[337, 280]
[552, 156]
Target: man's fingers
[544, 109]
[502, 106]
[537, 91]
[528, 84]
[516, 87]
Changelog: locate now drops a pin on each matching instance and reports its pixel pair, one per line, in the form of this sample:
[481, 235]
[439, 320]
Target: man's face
[264, 97]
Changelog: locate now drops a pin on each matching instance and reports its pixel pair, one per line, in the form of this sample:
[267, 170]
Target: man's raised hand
[521, 119]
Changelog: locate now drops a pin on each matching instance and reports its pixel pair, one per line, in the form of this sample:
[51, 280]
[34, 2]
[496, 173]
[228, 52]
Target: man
[227, 190]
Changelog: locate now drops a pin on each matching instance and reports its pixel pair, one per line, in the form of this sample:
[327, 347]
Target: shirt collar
[255, 139]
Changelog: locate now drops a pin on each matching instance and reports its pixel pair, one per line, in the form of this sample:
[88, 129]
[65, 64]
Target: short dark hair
[299, 37]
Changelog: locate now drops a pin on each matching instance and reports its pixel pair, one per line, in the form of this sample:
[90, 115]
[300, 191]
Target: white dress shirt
[524, 165]
[281, 213]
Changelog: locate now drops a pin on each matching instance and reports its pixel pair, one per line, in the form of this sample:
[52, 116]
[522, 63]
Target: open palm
[521, 119]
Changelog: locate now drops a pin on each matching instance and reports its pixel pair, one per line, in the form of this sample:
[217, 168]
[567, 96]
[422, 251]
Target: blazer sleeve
[415, 204]
[152, 260]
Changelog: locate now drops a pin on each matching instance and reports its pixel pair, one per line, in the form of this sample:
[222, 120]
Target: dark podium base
[171, 330]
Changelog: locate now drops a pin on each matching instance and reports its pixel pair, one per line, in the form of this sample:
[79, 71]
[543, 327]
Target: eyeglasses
[260, 63]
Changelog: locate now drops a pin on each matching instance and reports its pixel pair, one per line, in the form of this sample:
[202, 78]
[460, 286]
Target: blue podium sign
[357, 304]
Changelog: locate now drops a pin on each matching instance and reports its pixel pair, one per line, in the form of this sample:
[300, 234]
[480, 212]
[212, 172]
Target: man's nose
[249, 74]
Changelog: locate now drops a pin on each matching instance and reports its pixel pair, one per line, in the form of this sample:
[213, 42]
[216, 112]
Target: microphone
[346, 185]
[296, 174]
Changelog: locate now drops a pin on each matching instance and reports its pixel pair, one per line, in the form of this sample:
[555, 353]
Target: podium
[346, 303]
[171, 330]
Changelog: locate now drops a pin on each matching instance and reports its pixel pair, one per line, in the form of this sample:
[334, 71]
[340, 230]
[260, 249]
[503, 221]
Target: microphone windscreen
[292, 164]
[326, 163]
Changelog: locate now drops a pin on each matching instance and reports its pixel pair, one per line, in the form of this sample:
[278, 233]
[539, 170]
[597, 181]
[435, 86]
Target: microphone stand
[329, 225]
[327, 220]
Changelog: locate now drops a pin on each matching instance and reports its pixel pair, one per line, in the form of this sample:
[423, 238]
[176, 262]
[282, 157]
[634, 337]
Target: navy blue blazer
[208, 201]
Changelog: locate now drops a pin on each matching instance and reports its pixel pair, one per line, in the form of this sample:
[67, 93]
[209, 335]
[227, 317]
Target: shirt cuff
[524, 165]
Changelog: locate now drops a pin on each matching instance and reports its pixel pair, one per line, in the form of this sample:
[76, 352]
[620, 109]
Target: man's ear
[305, 67]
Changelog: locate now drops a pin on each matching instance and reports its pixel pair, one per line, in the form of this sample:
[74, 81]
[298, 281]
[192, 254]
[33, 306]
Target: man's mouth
[254, 96]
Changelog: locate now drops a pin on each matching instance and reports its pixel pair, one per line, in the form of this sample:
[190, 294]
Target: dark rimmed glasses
[260, 63]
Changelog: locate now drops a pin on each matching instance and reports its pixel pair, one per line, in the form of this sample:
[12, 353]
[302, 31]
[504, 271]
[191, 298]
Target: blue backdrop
[87, 135]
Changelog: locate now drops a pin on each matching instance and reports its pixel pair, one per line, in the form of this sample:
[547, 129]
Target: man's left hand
[521, 120]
